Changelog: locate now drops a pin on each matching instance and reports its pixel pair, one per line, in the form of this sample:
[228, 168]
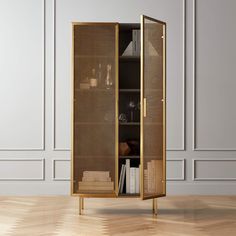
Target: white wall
[35, 91]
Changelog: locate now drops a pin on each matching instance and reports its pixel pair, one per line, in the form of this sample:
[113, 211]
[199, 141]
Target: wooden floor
[188, 215]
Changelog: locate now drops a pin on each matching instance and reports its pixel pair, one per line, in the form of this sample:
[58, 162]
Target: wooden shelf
[91, 90]
[129, 157]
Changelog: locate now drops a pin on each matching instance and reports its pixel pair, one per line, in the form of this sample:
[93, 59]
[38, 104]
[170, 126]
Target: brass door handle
[144, 107]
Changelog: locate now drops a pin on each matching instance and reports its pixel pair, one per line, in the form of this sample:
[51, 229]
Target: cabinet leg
[82, 205]
[154, 206]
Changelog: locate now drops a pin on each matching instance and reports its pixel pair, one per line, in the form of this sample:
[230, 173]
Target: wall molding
[195, 148]
[183, 148]
[28, 179]
[54, 170]
[183, 169]
[54, 148]
[42, 148]
[194, 178]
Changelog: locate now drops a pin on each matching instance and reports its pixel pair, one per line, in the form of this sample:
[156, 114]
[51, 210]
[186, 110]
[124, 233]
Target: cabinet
[118, 110]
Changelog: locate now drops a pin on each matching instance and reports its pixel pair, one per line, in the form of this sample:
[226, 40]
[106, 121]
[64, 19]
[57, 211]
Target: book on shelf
[121, 178]
[127, 166]
[96, 181]
[93, 186]
[153, 177]
[132, 179]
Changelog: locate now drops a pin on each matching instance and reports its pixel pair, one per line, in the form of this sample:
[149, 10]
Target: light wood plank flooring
[177, 215]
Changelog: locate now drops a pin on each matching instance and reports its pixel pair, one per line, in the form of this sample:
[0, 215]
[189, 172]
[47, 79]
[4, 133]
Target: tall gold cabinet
[119, 111]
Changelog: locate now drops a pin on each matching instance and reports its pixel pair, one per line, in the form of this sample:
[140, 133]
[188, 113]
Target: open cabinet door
[153, 108]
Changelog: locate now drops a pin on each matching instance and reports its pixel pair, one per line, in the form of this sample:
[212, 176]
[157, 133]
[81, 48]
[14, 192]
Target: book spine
[132, 179]
[123, 179]
[121, 174]
[127, 163]
[137, 182]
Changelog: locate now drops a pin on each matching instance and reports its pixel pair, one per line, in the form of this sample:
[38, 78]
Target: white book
[120, 180]
[132, 179]
[123, 179]
[127, 165]
[137, 183]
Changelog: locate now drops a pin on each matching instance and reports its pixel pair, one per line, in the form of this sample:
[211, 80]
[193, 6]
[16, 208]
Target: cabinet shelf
[129, 90]
[129, 195]
[129, 58]
[130, 123]
[129, 157]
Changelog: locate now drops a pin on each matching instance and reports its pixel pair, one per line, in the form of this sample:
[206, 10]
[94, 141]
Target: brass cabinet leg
[82, 204]
[154, 206]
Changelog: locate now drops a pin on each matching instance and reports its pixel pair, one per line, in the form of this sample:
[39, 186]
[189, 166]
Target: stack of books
[153, 177]
[96, 181]
[129, 176]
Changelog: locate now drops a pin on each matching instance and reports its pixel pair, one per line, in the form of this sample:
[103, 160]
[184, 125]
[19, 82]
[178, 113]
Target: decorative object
[124, 149]
[131, 106]
[122, 118]
[93, 79]
[108, 82]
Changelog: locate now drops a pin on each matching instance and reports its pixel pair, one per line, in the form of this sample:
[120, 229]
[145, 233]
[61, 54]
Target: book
[96, 174]
[123, 179]
[127, 166]
[132, 179]
[94, 178]
[121, 174]
[93, 186]
[137, 182]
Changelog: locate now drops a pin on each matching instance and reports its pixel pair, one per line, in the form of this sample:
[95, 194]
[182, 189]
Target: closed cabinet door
[95, 94]
[153, 120]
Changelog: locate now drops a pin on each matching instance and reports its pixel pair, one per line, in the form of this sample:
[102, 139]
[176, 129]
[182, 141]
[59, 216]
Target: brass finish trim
[82, 205]
[144, 107]
[164, 109]
[72, 115]
[117, 111]
[141, 106]
[155, 20]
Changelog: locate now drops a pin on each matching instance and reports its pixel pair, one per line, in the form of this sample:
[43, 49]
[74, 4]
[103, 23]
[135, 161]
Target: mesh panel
[94, 108]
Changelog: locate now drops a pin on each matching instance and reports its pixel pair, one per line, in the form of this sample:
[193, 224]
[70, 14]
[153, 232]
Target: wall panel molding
[195, 148]
[42, 147]
[194, 170]
[54, 170]
[183, 169]
[182, 147]
[54, 148]
[17, 160]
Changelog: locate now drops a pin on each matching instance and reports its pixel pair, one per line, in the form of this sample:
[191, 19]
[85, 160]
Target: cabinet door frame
[143, 108]
[115, 191]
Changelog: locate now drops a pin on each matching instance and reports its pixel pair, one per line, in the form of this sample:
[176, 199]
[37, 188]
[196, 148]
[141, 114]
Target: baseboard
[63, 188]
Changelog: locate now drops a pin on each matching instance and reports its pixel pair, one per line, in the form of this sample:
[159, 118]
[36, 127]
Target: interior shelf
[129, 157]
[130, 58]
[130, 123]
[130, 90]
